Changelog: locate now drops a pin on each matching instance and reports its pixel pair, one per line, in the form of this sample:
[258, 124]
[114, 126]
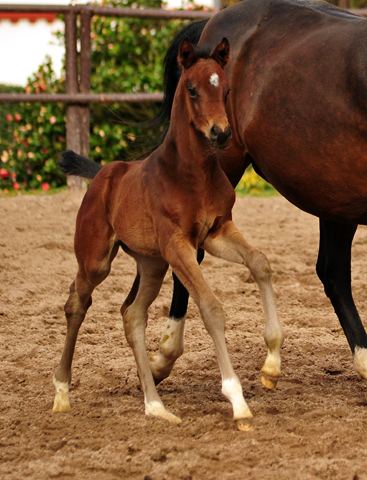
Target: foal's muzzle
[219, 138]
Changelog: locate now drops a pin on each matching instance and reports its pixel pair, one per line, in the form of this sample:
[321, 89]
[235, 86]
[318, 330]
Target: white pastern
[272, 364]
[214, 80]
[61, 402]
[158, 410]
[360, 361]
[231, 388]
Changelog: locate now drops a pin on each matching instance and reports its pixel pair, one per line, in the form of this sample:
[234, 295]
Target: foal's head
[205, 89]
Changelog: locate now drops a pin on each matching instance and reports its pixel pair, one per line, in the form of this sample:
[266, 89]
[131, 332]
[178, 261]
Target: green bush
[36, 135]
[252, 184]
[127, 56]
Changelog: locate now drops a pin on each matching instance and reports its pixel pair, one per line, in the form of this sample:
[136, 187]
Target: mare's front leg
[333, 269]
[182, 258]
[229, 244]
[151, 272]
[171, 345]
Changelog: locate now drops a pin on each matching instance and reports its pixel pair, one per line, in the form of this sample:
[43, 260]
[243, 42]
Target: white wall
[24, 45]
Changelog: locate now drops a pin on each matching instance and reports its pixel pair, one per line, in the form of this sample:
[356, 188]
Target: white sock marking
[231, 388]
[360, 361]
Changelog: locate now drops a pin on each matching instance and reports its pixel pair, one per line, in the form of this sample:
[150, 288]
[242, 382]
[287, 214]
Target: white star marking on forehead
[214, 80]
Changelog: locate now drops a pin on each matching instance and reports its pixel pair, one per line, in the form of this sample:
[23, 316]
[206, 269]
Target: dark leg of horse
[171, 345]
[334, 270]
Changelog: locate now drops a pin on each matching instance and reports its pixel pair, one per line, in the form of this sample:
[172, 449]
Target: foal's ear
[221, 53]
[186, 54]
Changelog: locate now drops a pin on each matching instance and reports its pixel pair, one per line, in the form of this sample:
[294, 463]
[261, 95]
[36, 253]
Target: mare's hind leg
[171, 345]
[333, 269]
[151, 272]
[229, 244]
[94, 259]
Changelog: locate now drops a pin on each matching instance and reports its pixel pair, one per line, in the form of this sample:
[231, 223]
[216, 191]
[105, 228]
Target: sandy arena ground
[313, 426]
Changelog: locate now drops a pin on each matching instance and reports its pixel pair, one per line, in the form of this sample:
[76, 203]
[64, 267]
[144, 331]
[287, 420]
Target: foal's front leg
[229, 244]
[181, 256]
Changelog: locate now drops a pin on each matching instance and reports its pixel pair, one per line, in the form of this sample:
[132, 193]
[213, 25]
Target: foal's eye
[193, 92]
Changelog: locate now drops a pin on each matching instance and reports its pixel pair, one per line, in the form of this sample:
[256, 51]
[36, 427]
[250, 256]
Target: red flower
[45, 186]
[17, 117]
[9, 117]
[16, 186]
[4, 173]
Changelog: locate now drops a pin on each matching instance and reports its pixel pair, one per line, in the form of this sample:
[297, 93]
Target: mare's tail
[73, 164]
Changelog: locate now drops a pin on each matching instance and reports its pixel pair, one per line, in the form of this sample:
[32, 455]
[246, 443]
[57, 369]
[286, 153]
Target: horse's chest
[205, 223]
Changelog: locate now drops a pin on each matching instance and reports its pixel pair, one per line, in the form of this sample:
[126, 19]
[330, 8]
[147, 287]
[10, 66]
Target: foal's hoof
[159, 366]
[157, 409]
[61, 403]
[268, 381]
[245, 424]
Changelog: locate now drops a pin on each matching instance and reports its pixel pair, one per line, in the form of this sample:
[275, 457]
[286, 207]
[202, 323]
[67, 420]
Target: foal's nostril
[224, 137]
[228, 132]
[214, 132]
[220, 137]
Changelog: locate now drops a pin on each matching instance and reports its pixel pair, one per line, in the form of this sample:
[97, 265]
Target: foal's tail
[73, 164]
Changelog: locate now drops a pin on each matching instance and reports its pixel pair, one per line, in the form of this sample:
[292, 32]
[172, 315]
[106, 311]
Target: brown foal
[160, 211]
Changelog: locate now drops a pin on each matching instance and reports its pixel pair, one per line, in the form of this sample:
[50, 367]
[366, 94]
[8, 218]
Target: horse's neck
[185, 149]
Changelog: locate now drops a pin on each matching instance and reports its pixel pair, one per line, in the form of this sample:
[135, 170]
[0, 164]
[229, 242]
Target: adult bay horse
[160, 211]
[298, 111]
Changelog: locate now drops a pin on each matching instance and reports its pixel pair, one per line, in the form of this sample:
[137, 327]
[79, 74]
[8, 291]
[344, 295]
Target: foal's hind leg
[94, 266]
[229, 244]
[151, 275]
[171, 346]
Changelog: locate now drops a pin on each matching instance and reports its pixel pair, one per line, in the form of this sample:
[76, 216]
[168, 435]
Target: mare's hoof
[245, 424]
[268, 381]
